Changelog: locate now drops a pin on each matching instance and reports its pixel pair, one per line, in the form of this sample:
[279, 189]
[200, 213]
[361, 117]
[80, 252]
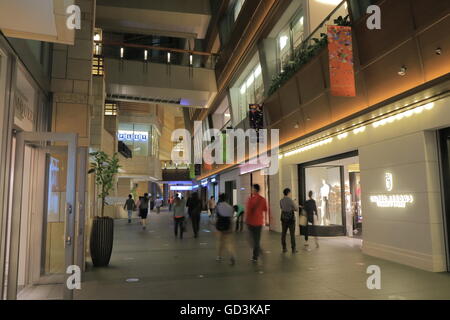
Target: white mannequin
[324, 194]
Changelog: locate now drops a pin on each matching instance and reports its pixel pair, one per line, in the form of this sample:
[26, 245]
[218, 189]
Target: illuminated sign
[391, 200]
[132, 135]
[180, 188]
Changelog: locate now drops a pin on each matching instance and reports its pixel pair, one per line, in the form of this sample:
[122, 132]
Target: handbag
[303, 221]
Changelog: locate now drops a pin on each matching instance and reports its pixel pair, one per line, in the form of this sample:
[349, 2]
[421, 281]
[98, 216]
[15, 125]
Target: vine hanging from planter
[303, 55]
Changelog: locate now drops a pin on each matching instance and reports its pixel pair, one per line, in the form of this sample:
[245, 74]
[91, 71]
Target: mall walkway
[152, 264]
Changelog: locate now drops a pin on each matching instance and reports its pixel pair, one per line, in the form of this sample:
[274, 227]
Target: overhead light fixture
[402, 71]
[191, 59]
[145, 55]
[121, 52]
[168, 57]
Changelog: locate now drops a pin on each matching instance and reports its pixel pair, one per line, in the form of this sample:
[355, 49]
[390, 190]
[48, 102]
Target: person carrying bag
[288, 219]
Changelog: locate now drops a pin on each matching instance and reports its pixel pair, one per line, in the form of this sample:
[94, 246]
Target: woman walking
[143, 210]
[178, 216]
[310, 208]
[194, 210]
[224, 213]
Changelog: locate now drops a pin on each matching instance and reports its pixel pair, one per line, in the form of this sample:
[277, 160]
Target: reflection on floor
[152, 264]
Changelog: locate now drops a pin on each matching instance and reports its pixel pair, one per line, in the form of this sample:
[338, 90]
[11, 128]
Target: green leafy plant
[304, 54]
[105, 169]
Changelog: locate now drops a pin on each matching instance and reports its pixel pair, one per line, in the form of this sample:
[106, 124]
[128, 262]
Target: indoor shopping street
[152, 264]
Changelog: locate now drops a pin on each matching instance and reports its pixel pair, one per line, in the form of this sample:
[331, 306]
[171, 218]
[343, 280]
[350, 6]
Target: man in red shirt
[254, 218]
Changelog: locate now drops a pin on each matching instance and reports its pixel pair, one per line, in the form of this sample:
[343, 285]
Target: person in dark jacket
[194, 210]
[143, 210]
[288, 208]
[310, 208]
[130, 206]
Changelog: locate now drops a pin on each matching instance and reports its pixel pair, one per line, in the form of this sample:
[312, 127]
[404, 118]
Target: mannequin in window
[324, 196]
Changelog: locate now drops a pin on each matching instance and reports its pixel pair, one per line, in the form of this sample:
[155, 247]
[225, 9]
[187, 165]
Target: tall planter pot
[101, 242]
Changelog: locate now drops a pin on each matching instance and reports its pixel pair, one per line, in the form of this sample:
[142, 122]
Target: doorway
[29, 224]
[336, 186]
[444, 146]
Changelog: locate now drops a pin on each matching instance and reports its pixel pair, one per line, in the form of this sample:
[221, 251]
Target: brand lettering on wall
[132, 136]
[391, 200]
[22, 110]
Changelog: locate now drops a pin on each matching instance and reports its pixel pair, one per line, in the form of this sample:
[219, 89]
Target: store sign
[132, 136]
[22, 110]
[391, 200]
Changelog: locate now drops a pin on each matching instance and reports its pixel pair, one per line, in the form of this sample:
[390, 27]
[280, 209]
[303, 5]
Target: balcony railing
[311, 46]
[156, 54]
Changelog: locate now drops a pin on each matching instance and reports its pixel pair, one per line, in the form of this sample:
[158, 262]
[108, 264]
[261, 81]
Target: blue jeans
[130, 212]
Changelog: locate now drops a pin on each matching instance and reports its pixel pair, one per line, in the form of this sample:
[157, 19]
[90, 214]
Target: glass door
[444, 143]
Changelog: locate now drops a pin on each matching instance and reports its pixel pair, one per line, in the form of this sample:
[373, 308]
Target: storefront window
[251, 91]
[336, 188]
[289, 39]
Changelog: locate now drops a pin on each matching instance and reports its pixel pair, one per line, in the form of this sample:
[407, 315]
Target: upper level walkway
[168, 268]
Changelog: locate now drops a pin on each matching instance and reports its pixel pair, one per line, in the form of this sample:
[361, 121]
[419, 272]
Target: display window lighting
[191, 59]
[168, 57]
[359, 130]
[145, 55]
[121, 52]
[343, 135]
[258, 71]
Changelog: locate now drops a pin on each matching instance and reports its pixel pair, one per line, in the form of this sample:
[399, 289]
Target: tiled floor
[169, 268]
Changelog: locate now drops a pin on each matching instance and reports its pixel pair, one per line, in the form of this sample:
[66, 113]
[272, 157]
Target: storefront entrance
[335, 183]
[36, 214]
[444, 143]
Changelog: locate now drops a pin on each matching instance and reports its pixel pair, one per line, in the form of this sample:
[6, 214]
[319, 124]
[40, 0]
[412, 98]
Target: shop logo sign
[132, 136]
[391, 200]
[22, 111]
[74, 20]
[389, 181]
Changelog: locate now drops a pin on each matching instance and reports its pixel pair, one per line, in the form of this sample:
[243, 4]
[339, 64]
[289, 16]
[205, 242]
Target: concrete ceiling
[174, 18]
[43, 20]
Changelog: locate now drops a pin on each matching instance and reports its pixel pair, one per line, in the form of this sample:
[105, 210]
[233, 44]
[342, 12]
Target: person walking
[224, 212]
[310, 208]
[239, 214]
[171, 199]
[130, 206]
[152, 203]
[194, 210]
[178, 216]
[254, 218]
[143, 210]
[288, 208]
[211, 206]
[158, 205]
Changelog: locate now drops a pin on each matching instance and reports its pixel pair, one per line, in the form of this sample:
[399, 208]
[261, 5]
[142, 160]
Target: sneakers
[294, 251]
[219, 259]
[306, 248]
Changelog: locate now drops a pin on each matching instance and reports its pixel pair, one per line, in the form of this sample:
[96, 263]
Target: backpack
[143, 204]
[287, 216]
[223, 223]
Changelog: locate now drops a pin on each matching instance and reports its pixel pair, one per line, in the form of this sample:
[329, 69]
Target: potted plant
[105, 169]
